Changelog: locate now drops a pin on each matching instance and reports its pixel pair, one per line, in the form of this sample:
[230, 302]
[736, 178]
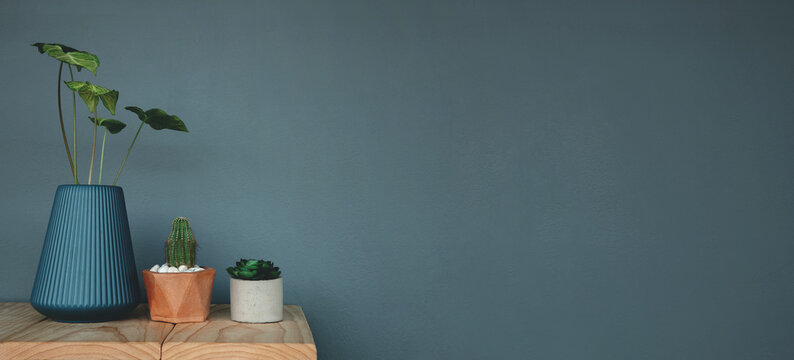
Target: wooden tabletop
[26, 334]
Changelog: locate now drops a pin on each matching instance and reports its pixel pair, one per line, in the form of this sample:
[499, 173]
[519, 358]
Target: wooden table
[26, 334]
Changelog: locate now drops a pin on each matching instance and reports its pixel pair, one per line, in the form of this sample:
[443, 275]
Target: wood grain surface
[16, 317]
[133, 338]
[222, 338]
[26, 334]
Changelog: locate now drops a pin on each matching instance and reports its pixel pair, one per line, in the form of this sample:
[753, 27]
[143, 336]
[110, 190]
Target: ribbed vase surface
[87, 268]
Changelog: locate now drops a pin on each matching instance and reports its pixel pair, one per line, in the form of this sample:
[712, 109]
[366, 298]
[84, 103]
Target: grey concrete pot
[257, 301]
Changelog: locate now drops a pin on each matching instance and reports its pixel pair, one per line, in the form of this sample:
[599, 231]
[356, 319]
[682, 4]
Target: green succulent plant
[180, 248]
[252, 269]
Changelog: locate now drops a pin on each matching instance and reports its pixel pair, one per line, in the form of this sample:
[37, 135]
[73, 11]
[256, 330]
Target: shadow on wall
[188, 161]
[335, 320]
[147, 253]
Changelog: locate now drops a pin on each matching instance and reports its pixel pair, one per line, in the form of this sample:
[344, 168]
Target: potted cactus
[257, 291]
[179, 291]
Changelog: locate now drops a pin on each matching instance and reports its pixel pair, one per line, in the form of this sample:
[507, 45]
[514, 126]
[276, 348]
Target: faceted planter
[179, 297]
[87, 270]
[257, 301]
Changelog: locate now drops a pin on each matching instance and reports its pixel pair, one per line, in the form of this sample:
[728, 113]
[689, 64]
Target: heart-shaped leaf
[158, 119]
[109, 100]
[113, 126]
[69, 55]
[91, 94]
[90, 100]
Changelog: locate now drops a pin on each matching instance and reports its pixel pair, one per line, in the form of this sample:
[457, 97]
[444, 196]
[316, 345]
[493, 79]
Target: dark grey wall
[549, 180]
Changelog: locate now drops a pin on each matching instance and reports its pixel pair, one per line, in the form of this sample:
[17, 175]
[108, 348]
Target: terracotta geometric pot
[179, 297]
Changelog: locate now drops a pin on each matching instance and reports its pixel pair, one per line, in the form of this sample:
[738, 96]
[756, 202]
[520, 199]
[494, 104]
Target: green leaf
[109, 100]
[89, 99]
[158, 119]
[86, 86]
[138, 111]
[91, 94]
[245, 273]
[75, 85]
[113, 126]
[69, 55]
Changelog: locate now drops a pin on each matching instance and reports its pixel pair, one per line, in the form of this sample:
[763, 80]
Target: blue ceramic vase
[87, 269]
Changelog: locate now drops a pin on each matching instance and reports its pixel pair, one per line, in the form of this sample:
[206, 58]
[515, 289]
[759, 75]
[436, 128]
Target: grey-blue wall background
[439, 179]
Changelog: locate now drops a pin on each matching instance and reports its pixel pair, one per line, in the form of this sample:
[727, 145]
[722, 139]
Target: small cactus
[180, 248]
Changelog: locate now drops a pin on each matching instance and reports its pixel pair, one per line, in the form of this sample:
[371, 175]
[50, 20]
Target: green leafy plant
[251, 269]
[92, 95]
[80, 59]
[180, 248]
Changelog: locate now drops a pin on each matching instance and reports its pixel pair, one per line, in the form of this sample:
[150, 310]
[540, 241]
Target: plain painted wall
[471, 180]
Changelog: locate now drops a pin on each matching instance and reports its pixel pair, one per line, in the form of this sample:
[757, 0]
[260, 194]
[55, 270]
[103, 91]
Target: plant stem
[63, 131]
[74, 128]
[102, 157]
[93, 150]
[128, 152]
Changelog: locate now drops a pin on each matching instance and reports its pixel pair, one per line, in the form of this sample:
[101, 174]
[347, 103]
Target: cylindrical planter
[257, 301]
[179, 297]
[87, 269]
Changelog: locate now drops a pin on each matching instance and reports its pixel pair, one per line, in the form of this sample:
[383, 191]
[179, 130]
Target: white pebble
[182, 268]
[173, 269]
[155, 268]
[165, 265]
[199, 269]
[163, 269]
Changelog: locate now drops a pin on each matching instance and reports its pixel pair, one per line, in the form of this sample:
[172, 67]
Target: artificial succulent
[252, 269]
